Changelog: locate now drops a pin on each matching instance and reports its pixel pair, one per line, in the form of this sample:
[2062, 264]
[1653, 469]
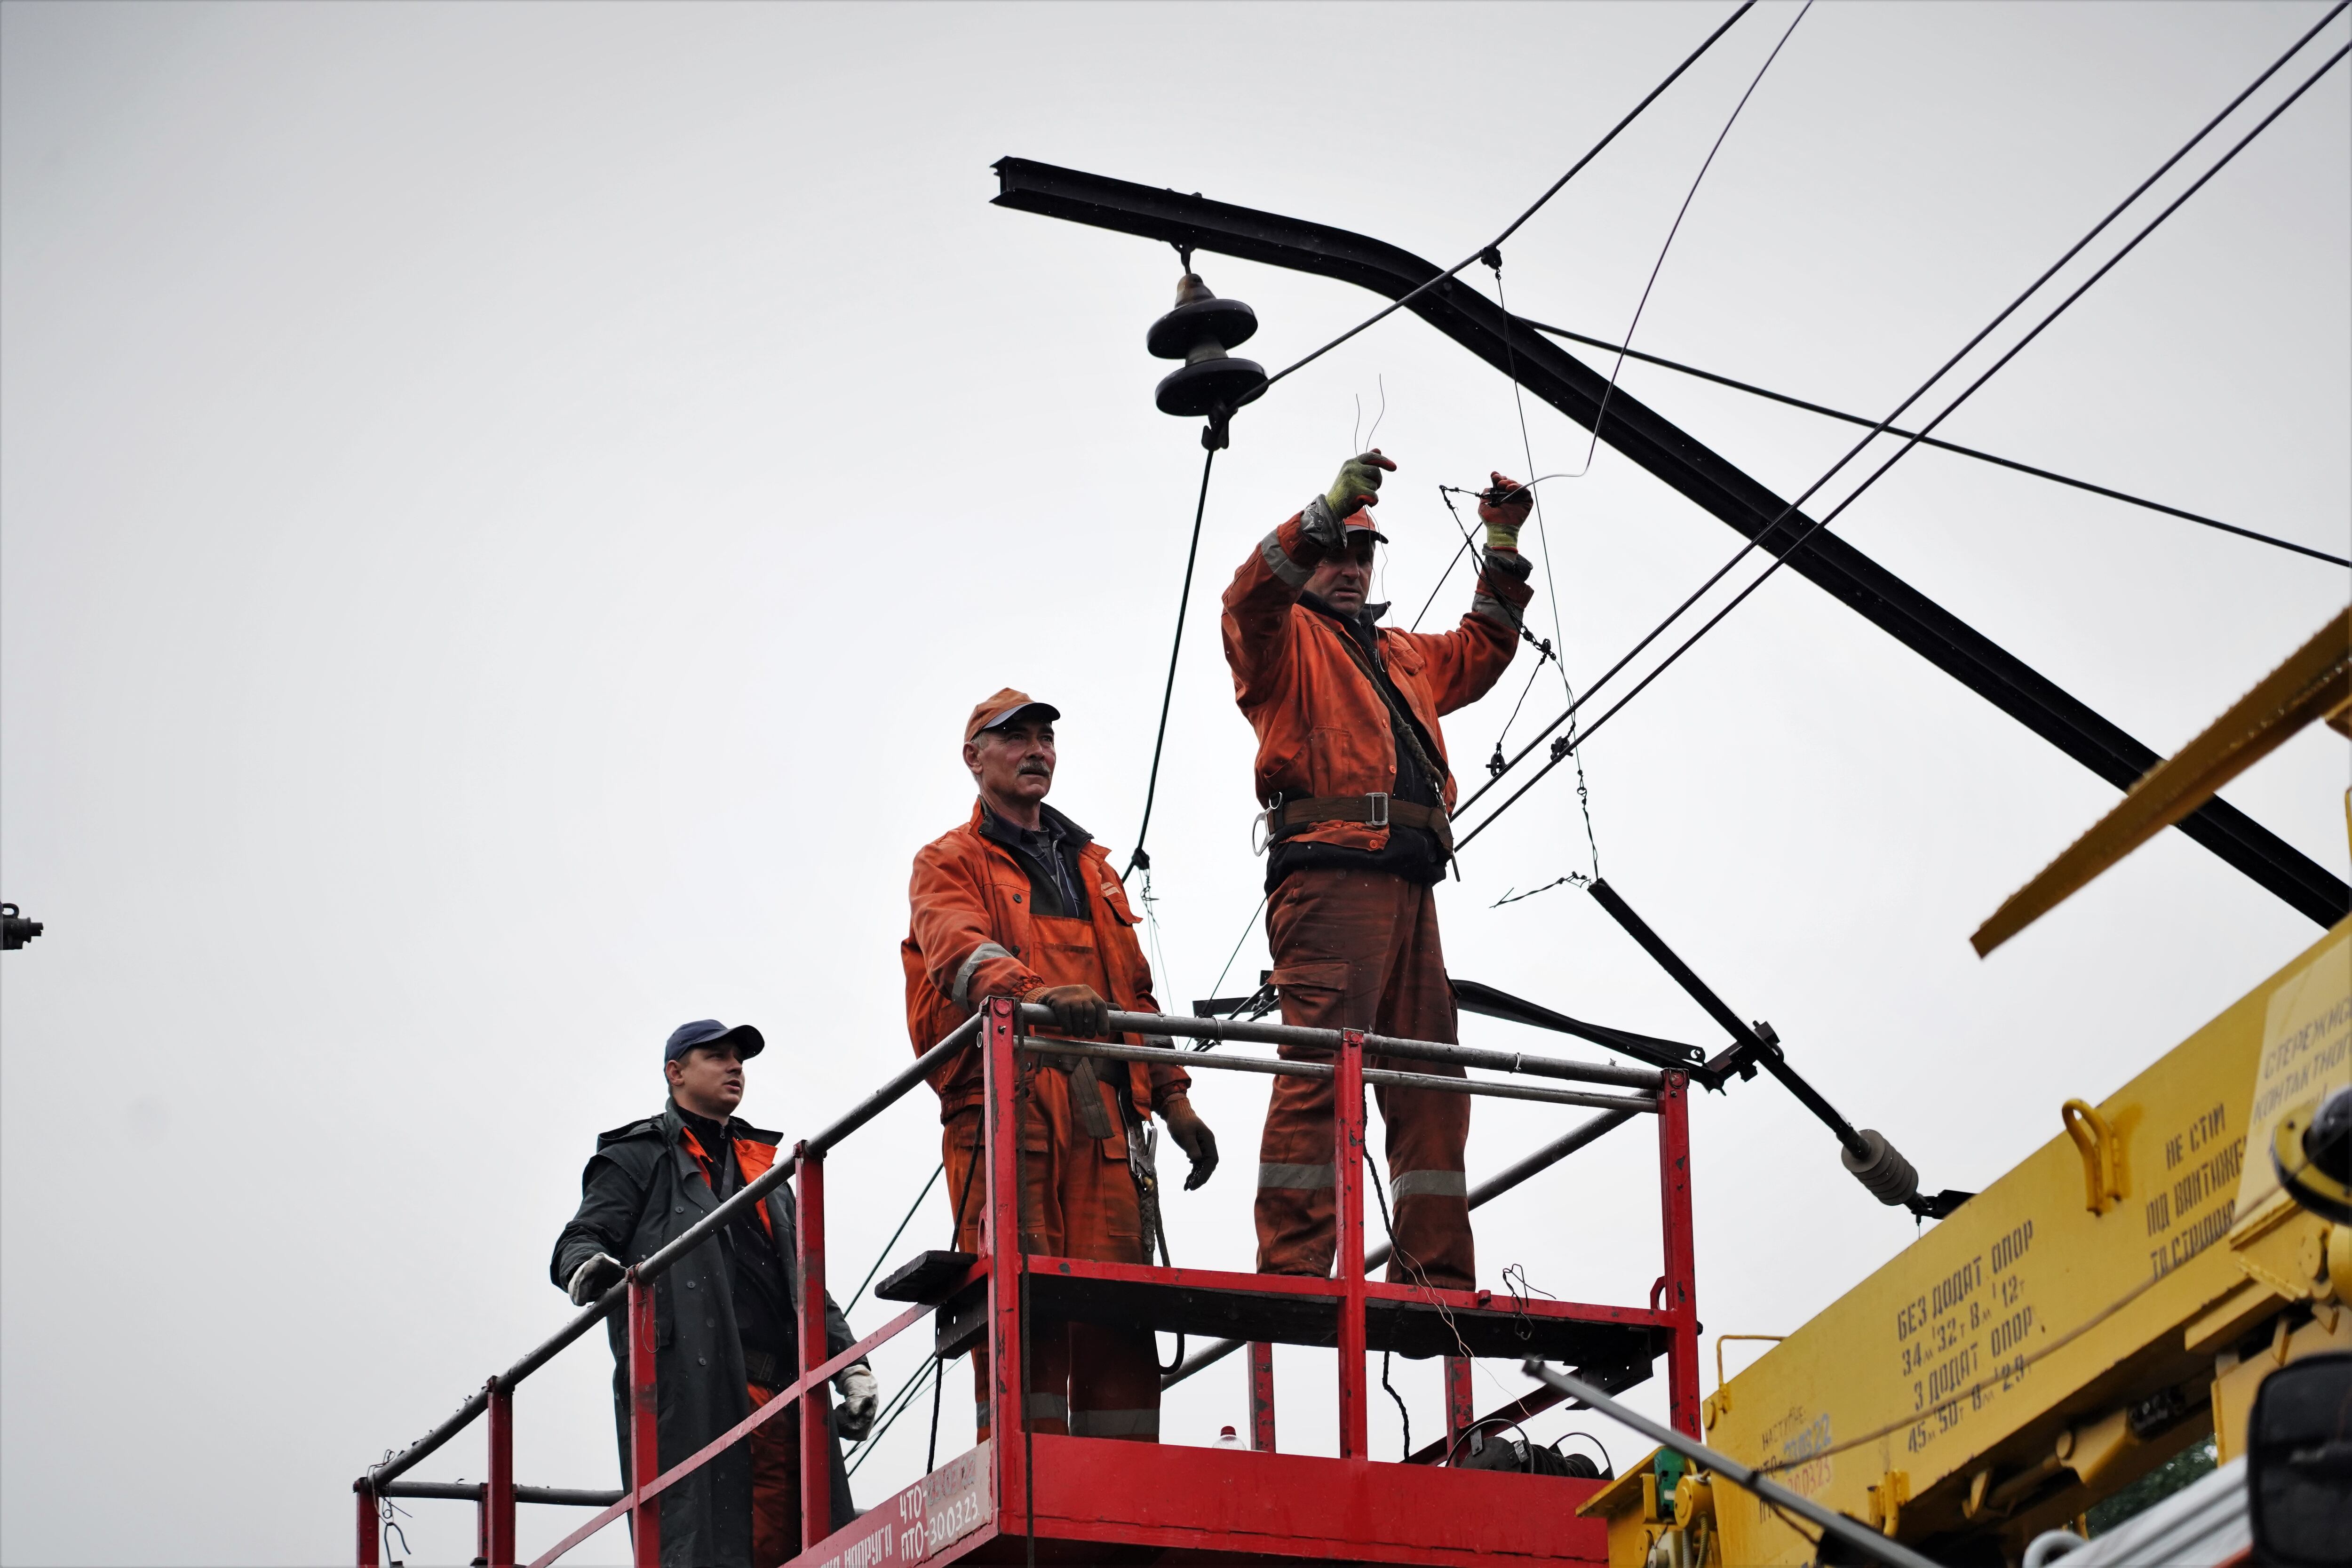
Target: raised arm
[1465, 663]
[1257, 602]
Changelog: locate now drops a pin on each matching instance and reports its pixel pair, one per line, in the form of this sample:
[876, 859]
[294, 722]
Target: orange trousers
[1359, 950]
[775, 1484]
[1077, 1200]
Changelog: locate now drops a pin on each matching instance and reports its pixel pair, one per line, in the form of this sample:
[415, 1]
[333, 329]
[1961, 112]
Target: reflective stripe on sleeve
[1115, 1423]
[1494, 609]
[1302, 1177]
[961, 993]
[1429, 1184]
[1043, 1407]
[1278, 561]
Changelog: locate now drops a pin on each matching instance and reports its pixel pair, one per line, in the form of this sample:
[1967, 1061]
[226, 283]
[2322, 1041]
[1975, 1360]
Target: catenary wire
[1493, 259]
[1168, 693]
[1834, 468]
[1631, 115]
[884, 1255]
[1782, 558]
[1937, 442]
[1138, 856]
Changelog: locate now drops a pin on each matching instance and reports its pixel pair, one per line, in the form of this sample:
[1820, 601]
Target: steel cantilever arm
[1508, 343]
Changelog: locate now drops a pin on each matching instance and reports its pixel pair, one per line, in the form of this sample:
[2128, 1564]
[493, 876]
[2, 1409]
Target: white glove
[593, 1278]
[860, 1397]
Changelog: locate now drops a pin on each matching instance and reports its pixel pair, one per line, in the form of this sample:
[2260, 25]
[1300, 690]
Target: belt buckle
[1380, 817]
[1262, 826]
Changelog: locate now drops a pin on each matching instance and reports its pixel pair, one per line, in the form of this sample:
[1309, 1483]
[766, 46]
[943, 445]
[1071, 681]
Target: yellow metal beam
[2316, 682]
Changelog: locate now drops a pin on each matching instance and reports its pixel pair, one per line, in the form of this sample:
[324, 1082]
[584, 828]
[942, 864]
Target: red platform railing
[1180, 1497]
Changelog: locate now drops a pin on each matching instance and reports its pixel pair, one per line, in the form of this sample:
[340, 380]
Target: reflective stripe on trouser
[1359, 949]
[775, 1484]
[1078, 1201]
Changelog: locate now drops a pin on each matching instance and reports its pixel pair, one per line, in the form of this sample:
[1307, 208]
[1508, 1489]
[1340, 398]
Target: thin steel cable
[1592, 446]
[1937, 442]
[884, 1255]
[1783, 558]
[1880, 427]
[1518, 399]
[1575, 169]
[1237, 952]
[1168, 693]
[899, 1404]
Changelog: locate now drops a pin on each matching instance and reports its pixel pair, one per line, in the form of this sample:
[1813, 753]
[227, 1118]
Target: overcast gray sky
[504, 509]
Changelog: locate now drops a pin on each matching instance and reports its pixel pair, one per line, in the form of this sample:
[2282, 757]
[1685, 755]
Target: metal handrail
[1213, 1030]
[475, 1492]
[661, 1262]
[1220, 1029]
[1291, 1068]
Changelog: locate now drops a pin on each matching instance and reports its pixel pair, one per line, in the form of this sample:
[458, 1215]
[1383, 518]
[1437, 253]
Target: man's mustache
[1040, 769]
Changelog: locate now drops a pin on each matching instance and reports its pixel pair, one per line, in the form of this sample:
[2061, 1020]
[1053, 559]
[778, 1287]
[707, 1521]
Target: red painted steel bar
[1459, 1410]
[371, 1541]
[1003, 1244]
[499, 1499]
[644, 1424]
[772, 1411]
[1261, 1398]
[816, 1470]
[1348, 1155]
[1681, 1254]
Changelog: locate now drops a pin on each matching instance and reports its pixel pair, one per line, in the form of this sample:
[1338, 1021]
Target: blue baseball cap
[711, 1032]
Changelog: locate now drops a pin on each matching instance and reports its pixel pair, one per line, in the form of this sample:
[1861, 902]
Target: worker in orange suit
[1351, 769]
[1020, 901]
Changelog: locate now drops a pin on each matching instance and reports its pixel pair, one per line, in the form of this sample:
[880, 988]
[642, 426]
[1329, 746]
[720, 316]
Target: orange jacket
[967, 939]
[1322, 728]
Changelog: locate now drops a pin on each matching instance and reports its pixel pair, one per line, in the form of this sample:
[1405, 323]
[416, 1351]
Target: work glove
[1359, 484]
[1504, 510]
[1076, 1009]
[593, 1278]
[1193, 1136]
[860, 1396]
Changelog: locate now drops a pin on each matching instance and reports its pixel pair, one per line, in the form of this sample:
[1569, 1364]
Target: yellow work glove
[1504, 510]
[1359, 484]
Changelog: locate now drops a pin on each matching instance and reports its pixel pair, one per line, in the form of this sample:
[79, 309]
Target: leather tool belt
[1286, 818]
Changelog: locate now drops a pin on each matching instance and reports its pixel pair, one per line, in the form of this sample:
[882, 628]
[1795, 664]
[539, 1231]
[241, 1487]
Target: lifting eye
[1210, 384]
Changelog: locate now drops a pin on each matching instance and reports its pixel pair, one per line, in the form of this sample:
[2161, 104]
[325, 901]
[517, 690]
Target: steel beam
[1509, 343]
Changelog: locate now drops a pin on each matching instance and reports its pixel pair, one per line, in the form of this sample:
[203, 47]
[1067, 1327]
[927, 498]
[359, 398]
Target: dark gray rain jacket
[640, 1189]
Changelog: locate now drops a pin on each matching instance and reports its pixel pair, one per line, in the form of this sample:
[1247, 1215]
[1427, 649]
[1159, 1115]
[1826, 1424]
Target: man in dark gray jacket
[727, 1318]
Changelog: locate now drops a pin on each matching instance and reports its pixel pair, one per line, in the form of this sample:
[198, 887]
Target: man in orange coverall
[1020, 901]
[1351, 768]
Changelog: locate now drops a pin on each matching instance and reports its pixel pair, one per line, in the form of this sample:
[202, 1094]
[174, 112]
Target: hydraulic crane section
[2113, 1298]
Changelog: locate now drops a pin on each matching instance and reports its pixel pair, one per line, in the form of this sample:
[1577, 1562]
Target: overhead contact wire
[1880, 428]
[1937, 442]
[1782, 558]
[1526, 444]
[1168, 692]
[1631, 115]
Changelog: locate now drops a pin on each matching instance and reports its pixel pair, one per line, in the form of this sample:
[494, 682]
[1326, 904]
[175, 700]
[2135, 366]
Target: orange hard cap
[1002, 709]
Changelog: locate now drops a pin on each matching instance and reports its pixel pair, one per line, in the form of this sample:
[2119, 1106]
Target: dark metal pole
[1768, 1052]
